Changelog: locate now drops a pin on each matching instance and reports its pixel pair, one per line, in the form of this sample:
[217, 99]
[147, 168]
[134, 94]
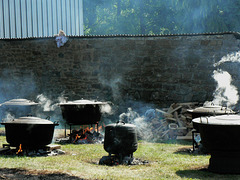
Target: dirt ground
[21, 174]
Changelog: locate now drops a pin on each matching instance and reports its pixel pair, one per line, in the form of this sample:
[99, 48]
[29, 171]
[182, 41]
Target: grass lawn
[168, 160]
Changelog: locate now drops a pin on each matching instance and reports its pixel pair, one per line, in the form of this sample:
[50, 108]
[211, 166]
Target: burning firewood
[86, 136]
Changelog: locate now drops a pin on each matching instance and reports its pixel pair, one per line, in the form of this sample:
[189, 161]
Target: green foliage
[160, 17]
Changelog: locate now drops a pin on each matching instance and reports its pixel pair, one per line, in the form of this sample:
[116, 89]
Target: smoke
[8, 117]
[106, 108]
[142, 123]
[225, 92]
[113, 84]
[233, 57]
[46, 103]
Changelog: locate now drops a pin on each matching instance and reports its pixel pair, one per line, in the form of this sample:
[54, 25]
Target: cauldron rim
[29, 120]
[82, 102]
[224, 120]
[121, 125]
[213, 109]
[19, 102]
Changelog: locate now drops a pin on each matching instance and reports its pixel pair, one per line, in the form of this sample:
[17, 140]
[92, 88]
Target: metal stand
[194, 142]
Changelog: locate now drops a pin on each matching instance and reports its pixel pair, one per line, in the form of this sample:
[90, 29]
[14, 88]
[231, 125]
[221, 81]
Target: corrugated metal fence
[40, 18]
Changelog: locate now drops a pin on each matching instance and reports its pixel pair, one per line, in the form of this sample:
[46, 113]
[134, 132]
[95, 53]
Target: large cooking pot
[220, 136]
[18, 107]
[120, 138]
[210, 110]
[82, 112]
[31, 132]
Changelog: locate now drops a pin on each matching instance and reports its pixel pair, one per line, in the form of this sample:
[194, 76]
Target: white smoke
[142, 126]
[225, 92]
[112, 83]
[233, 57]
[46, 103]
[8, 117]
[106, 108]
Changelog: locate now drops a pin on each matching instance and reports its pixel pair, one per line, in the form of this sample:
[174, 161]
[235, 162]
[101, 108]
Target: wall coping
[236, 34]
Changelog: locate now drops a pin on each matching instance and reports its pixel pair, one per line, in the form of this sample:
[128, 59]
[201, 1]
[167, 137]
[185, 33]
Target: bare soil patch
[15, 173]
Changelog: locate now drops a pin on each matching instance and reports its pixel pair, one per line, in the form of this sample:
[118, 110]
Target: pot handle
[120, 121]
[48, 117]
[56, 123]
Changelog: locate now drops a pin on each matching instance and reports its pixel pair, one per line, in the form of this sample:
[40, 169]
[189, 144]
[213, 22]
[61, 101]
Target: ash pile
[48, 150]
[114, 160]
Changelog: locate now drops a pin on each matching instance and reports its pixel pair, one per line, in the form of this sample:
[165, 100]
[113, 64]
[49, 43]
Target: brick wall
[148, 70]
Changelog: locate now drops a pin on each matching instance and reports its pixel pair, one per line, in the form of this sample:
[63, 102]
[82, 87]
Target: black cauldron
[220, 136]
[81, 112]
[31, 132]
[120, 138]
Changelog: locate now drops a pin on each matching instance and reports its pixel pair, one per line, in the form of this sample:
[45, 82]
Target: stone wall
[125, 70]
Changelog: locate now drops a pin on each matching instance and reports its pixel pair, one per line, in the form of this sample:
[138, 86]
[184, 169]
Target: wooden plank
[188, 103]
[181, 128]
[171, 111]
[165, 113]
[172, 119]
[53, 146]
[4, 149]
[165, 132]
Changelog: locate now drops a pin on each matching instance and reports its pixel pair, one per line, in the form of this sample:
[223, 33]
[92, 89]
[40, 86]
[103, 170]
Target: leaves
[160, 16]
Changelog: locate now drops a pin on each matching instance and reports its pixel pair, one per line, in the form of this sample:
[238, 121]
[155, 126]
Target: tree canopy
[104, 17]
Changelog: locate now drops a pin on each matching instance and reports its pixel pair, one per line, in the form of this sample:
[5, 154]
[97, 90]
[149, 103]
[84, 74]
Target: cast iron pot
[31, 132]
[120, 138]
[220, 136]
[19, 107]
[81, 112]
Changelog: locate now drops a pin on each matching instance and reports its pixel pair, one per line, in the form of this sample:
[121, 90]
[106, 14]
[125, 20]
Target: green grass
[167, 161]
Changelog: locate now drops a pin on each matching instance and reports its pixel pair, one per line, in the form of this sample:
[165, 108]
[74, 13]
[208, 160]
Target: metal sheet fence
[40, 18]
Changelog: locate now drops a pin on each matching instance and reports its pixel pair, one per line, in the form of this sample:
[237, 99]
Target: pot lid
[121, 124]
[19, 102]
[82, 102]
[233, 119]
[212, 110]
[28, 120]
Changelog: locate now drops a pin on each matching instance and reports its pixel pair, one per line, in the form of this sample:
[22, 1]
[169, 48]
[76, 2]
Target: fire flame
[20, 149]
[87, 134]
[76, 138]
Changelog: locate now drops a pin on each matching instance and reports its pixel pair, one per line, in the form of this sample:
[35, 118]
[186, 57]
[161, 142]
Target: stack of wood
[174, 122]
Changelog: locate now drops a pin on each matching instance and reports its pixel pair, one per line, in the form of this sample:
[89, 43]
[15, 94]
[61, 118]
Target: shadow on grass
[203, 173]
[174, 141]
[189, 151]
[16, 173]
